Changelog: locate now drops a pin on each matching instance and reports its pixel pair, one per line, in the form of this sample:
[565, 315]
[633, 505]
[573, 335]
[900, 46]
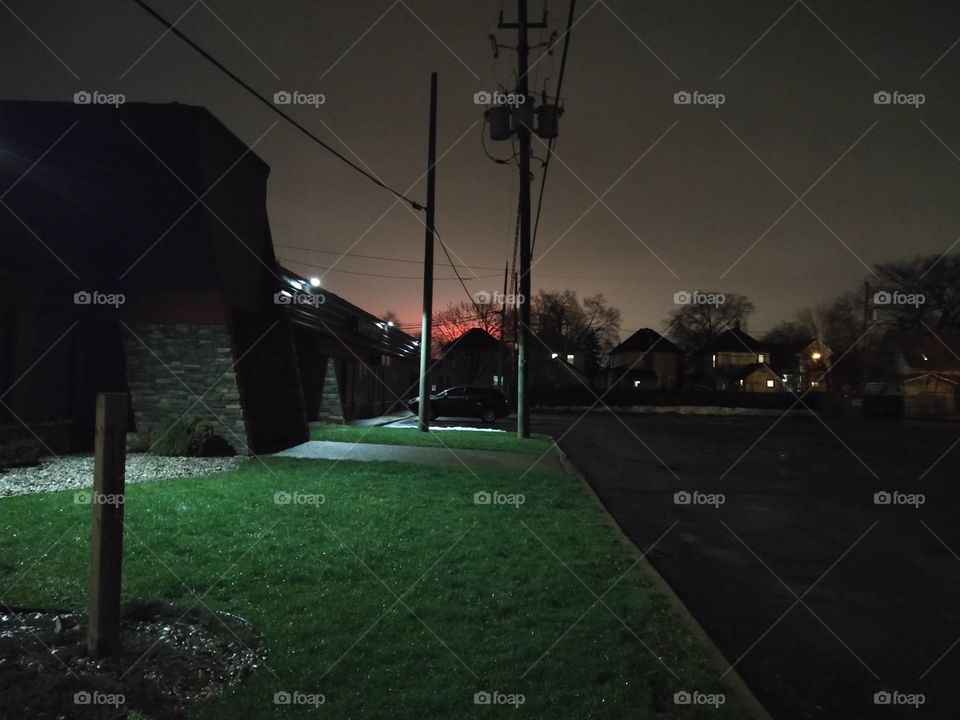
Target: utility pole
[507, 117]
[423, 404]
[524, 131]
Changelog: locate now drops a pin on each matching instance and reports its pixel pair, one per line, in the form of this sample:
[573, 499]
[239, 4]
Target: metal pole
[523, 298]
[423, 405]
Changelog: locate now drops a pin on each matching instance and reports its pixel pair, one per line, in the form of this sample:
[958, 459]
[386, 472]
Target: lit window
[761, 358]
[814, 383]
[770, 383]
[816, 356]
[570, 359]
[714, 360]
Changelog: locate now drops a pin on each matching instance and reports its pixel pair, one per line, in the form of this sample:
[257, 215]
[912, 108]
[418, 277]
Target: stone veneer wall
[331, 408]
[201, 357]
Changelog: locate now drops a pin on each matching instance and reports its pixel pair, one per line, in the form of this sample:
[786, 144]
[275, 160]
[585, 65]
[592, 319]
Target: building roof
[646, 340]
[748, 370]
[349, 323]
[473, 340]
[736, 340]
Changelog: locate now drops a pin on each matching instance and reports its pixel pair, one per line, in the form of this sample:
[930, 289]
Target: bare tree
[562, 322]
[929, 293]
[457, 318]
[695, 325]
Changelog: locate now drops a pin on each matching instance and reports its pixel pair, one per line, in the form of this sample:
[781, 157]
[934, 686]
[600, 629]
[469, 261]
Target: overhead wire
[220, 66]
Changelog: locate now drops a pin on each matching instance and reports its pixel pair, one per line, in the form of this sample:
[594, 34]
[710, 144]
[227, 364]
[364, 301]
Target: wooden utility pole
[106, 547]
[423, 405]
[524, 132]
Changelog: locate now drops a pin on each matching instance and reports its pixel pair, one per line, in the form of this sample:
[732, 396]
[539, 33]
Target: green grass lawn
[490, 595]
[456, 439]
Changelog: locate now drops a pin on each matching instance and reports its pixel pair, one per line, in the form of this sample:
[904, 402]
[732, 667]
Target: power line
[220, 66]
[379, 275]
[553, 140]
[373, 257]
[462, 283]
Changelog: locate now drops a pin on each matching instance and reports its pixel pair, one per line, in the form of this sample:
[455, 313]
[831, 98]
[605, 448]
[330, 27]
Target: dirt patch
[171, 659]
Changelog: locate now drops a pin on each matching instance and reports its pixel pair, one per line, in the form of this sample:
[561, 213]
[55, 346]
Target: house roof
[937, 376]
[748, 370]
[736, 340]
[646, 340]
[473, 340]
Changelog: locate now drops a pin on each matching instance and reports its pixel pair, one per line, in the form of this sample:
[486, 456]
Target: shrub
[188, 436]
[19, 453]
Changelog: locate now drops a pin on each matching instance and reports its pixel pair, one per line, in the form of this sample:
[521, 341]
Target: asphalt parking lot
[818, 595]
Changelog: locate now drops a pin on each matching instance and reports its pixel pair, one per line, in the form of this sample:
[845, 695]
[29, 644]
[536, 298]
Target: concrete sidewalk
[473, 459]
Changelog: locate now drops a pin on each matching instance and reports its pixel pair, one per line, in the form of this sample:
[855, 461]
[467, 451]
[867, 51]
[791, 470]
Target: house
[721, 363]
[919, 370]
[473, 358]
[115, 277]
[802, 365]
[929, 394]
[759, 378]
[647, 361]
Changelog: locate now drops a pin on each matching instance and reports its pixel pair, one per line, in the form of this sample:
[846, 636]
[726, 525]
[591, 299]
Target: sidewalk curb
[715, 658]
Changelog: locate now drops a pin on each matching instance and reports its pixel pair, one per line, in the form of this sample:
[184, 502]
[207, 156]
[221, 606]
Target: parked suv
[485, 403]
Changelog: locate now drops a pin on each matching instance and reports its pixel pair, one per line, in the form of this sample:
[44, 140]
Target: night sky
[697, 189]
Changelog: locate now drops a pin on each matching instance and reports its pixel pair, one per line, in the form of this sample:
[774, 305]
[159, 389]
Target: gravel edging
[73, 472]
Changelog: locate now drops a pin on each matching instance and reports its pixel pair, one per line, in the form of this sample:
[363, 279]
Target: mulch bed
[171, 659]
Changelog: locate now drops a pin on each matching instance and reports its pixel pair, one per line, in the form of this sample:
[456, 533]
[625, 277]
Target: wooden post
[106, 547]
